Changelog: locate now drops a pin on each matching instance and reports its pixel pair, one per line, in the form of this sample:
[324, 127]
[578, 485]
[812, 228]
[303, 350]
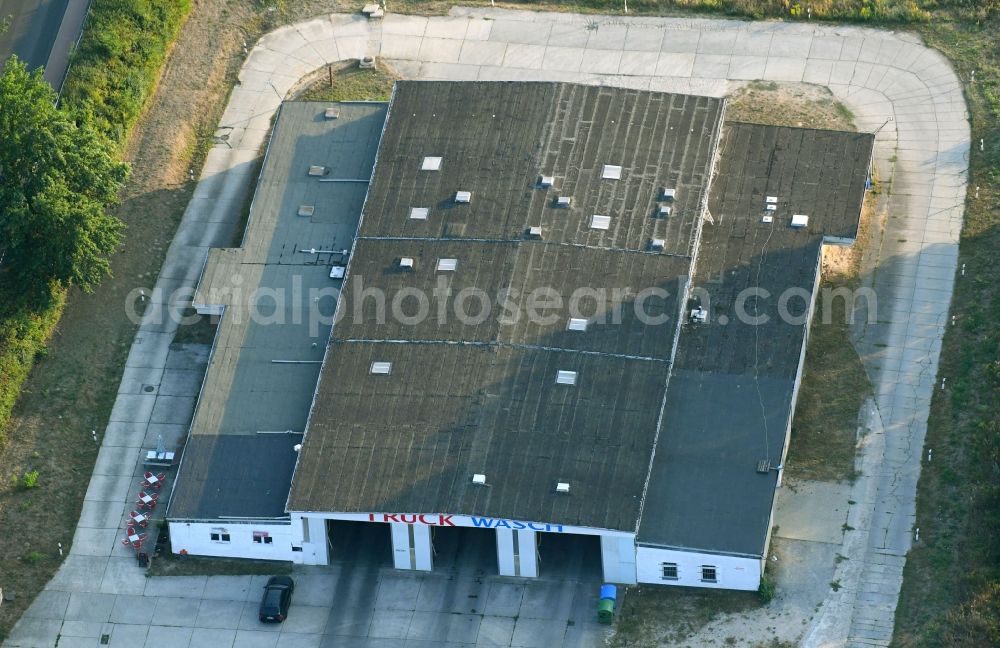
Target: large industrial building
[522, 309]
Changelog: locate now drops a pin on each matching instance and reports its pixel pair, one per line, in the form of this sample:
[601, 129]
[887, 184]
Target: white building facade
[622, 560]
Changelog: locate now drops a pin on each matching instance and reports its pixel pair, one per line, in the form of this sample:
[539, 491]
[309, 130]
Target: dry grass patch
[666, 616]
[346, 81]
[789, 104]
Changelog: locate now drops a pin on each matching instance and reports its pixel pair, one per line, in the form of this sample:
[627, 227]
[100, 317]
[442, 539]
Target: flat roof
[267, 352]
[731, 393]
[463, 398]
[497, 139]
[235, 476]
[407, 410]
[518, 278]
[411, 440]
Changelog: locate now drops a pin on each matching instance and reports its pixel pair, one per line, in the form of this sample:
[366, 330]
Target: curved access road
[890, 81]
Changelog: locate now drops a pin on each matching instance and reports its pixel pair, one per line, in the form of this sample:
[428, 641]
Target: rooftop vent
[463, 197]
[657, 244]
[333, 112]
[337, 272]
[447, 265]
[699, 315]
[545, 181]
[535, 232]
[600, 222]
[479, 479]
[562, 487]
[431, 164]
[771, 200]
[764, 466]
[668, 193]
[771, 207]
[306, 210]
[406, 263]
[665, 210]
[563, 201]
[799, 220]
[611, 172]
[383, 368]
[317, 170]
[767, 219]
[419, 213]
[565, 377]
[576, 324]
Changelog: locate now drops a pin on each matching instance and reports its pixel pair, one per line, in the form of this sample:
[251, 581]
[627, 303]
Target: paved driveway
[360, 601]
[892, 83]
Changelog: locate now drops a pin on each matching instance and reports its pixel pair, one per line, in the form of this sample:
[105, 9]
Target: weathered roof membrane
[266, 354]
[523, 399]
[411, 414]
[729, 404]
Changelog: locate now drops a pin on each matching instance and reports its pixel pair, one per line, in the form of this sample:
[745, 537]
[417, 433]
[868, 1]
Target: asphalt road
[41, 33]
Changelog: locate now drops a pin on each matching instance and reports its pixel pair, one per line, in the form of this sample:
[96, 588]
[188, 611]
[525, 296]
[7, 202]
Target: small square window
[419, 213]
[225, 537]
[219, 535]
[708, 574]
[261, 537]
[669, 571]
[214, 536]
[267, 539]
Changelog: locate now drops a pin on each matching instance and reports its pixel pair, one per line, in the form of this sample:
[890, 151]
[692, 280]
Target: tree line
[58, 178]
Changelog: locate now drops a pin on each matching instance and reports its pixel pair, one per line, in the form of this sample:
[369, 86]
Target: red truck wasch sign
[461, 520]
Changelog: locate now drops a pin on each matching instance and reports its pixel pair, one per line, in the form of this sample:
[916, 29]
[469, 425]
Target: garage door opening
[569, 556]
[364, 542]
[464, 550]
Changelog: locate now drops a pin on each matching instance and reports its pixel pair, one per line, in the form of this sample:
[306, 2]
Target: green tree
[57, 179]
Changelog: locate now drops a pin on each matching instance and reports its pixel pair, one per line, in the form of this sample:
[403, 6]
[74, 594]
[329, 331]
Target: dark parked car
[277, 598]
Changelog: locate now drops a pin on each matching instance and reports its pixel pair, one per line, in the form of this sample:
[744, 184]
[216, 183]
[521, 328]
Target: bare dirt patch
[789, 104]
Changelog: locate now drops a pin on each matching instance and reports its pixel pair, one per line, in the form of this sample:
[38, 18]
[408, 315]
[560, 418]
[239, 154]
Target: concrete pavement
[889, 80]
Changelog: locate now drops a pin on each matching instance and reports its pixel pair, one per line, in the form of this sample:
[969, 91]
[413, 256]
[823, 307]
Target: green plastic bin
[605, 611]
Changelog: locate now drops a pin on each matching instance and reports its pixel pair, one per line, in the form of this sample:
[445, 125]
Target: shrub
[118, 63]
[34, 557]
[23, 331]
[30, 479]
[766, 590]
